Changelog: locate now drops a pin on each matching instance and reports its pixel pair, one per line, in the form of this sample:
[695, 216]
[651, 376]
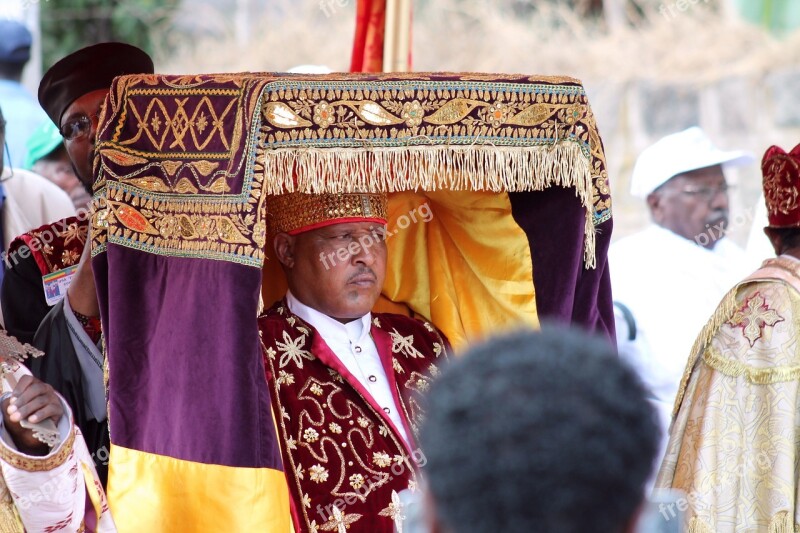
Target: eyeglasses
[706, 193]
[79, 126]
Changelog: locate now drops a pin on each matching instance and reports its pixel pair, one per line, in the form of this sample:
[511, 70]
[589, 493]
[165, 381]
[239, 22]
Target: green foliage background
[71, 24]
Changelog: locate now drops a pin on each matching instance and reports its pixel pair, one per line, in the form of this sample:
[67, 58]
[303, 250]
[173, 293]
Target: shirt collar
[354, 331]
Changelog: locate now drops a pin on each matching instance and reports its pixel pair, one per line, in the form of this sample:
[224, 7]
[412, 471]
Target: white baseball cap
[676, 154]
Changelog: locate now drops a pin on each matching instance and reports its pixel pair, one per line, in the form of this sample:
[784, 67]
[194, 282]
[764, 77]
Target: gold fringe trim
[758, 376]
[698, 526]
[723, 313]
[478, 167]
[783, 523]
[10, 521]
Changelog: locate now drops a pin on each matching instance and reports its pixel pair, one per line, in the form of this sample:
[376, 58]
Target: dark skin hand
[34, 400]
[82, 292]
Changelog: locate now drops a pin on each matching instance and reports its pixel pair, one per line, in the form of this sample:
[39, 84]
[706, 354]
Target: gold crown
[297, 212]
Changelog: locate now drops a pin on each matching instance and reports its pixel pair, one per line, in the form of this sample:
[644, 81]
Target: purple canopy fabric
[185, 165]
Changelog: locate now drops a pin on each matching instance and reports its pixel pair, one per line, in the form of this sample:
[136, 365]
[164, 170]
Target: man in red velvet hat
[346, 384]
[733, 444]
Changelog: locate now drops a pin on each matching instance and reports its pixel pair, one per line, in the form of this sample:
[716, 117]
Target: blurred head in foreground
[538, 431]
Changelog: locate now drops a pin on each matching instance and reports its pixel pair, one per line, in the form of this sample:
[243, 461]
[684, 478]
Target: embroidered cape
[344, 460]
[733, 441]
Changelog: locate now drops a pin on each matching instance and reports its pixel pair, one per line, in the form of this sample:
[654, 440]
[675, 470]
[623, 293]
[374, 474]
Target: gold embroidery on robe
[733, 440]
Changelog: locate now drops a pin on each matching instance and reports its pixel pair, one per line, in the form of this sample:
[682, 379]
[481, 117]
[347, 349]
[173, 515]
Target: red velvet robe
[343, 457]
[41, 251]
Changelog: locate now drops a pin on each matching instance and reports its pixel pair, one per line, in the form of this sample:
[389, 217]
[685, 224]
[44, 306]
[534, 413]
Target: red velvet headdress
[782, 186]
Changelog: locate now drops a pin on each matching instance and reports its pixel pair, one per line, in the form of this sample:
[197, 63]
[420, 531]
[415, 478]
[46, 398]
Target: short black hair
[545, 431]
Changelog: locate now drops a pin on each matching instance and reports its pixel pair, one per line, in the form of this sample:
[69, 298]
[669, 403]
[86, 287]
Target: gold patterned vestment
[733, 447]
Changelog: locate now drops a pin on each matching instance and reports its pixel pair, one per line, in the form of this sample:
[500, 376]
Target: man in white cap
[671, 276]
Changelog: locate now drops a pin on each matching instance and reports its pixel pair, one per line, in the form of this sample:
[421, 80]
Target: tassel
[783, 523]
[10, 521]
[698, 526]
[478, 167]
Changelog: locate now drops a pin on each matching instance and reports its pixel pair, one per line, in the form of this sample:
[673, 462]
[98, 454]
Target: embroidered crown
[781, 173]
[298, 212]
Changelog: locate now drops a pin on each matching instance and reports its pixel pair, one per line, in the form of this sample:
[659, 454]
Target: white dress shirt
[354, 347]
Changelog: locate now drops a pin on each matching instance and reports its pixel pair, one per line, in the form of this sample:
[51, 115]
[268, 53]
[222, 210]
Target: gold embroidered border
[29, 463]
[385, 132]
[294, 211]
[177, 203]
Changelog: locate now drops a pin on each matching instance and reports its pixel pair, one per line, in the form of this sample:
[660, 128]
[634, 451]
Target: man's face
[693, 205]
[337, 270]
[80, 121]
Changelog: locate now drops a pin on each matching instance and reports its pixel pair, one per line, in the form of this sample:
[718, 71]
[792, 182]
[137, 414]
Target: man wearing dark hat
[734, 439]
[23, 115]
[348, 382]
[49, 286]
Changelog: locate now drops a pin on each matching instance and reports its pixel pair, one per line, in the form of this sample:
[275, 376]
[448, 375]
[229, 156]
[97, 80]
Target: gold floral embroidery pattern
[394, 510]
[332, 443]
[195, 156]
[186, 115]
[318, 473]
[780, 188]
[73, 236]
[393, 113]
[381, 459]
[292, 351]
[404, 345]
[314, 437]
[754, 316]
[339, 521]
[172, 162]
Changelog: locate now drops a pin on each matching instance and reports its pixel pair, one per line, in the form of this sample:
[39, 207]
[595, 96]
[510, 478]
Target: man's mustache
[362, 272]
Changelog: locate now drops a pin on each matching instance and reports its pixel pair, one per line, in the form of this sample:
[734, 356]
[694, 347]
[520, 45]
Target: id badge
[56, 284]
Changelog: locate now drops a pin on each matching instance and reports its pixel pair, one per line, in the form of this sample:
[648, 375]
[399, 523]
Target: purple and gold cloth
[510, 168]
